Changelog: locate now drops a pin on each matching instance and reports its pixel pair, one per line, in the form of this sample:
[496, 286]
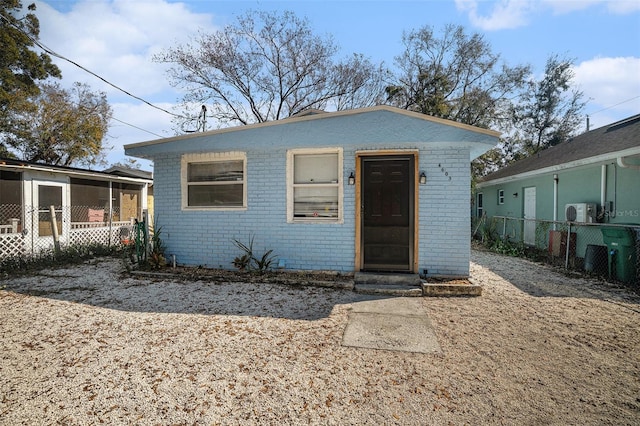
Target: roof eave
[79, 173]
[610, 156]
[311, 117]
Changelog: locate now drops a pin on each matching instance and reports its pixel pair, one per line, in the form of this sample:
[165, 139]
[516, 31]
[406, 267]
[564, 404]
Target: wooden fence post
[54, 229]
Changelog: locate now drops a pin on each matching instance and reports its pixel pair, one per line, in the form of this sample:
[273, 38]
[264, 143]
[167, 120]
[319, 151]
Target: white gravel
[84, 345]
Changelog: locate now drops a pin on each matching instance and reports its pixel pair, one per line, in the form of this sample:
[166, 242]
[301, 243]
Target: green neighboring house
[591, 178]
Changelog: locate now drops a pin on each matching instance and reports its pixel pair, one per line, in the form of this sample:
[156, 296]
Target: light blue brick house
[373, 189]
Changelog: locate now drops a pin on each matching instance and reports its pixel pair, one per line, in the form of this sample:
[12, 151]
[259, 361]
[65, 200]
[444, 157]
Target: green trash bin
[622, 252]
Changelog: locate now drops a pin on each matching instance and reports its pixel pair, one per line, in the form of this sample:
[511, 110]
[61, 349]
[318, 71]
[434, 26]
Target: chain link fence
[30, 231]
[610, 251]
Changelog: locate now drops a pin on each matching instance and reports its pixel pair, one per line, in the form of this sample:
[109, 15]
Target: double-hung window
[314, 185]
[501, 196]
[214, 181]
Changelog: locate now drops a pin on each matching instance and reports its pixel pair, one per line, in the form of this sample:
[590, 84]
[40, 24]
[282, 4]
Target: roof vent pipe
[624, 165]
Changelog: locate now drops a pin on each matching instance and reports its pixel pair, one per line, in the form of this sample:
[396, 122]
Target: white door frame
[64, 217]
[530, 213]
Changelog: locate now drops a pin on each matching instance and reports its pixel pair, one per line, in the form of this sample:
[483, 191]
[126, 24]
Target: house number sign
[444, 171]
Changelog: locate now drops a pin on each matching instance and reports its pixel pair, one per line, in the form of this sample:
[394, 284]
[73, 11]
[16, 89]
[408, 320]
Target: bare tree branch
[269, 66]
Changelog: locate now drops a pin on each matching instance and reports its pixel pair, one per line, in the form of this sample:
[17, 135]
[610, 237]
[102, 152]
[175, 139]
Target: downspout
[555, 201]
[110, 210]
[603, 188]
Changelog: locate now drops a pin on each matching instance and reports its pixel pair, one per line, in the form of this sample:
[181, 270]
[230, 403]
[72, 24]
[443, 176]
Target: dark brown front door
[387, 213]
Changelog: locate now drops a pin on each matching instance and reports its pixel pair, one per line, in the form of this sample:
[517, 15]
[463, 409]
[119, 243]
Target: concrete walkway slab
[396, 324]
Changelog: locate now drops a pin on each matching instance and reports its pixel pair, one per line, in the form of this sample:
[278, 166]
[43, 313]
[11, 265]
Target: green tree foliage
[268, 66]
[454, 76]
[128, 163]
[549, 110]
[66, 128]
[20, 67]
[546, 112]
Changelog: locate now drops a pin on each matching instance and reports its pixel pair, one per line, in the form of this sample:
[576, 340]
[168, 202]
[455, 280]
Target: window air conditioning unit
[580, 212]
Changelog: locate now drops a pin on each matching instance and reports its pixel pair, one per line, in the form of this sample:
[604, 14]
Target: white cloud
[612, 87]
[510, 14]
[621, 7]
[505, 14]
[624, 7]
[117, 39]
[561, 7]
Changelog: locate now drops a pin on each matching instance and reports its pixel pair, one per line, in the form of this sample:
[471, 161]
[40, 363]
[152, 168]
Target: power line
[57, 55]
[136, 127]
[613, 106]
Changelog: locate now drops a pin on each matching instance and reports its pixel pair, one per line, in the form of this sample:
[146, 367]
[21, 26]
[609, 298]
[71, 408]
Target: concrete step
[388, 290]
[405, 285]
[387, 279]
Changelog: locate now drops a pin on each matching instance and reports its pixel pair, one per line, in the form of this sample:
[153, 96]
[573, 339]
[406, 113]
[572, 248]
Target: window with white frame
[501, 196]
[314, 188]
[214, 181]
[480, 205]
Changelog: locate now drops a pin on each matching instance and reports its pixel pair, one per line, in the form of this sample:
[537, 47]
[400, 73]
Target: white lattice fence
[82, 233]
[11, 245]
[89, 236]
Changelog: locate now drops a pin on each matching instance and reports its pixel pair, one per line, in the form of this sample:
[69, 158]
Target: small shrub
[243, 262]
[249, 261]
[264, 263]
[156, 256]
[504, 246]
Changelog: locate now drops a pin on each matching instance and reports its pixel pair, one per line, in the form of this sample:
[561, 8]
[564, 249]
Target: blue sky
[117, 38]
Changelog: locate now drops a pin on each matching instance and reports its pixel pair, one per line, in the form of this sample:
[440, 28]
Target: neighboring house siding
[578, 164]
[577, 185]
[627, 204]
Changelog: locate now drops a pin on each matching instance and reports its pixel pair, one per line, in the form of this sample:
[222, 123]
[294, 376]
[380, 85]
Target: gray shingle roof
[609, 139]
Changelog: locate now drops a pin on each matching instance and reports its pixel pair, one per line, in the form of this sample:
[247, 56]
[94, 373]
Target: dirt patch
[232, 276]
[448, 281]
[87, 345]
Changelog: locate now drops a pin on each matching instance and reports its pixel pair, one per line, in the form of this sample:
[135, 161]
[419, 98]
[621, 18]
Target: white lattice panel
[11, 245]
[89, 235]
[97, 235]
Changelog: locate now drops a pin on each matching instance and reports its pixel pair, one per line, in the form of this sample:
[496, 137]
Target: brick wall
[206, 237]
[444, 212]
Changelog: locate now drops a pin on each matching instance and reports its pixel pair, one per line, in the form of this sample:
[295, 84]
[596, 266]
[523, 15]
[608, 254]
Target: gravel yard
[85, 345]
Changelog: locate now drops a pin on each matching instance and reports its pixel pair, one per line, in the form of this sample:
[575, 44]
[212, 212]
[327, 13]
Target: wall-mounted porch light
[423, 179]
[352, 179]
[515, 195]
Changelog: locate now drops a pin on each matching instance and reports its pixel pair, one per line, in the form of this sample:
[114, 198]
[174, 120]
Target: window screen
[316, 186]
[215, 184]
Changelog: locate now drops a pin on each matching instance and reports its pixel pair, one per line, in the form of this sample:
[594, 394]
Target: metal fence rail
[611, 251]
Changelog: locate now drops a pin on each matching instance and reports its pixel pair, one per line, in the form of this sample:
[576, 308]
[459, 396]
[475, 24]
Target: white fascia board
[77, 173]
[609, 156]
